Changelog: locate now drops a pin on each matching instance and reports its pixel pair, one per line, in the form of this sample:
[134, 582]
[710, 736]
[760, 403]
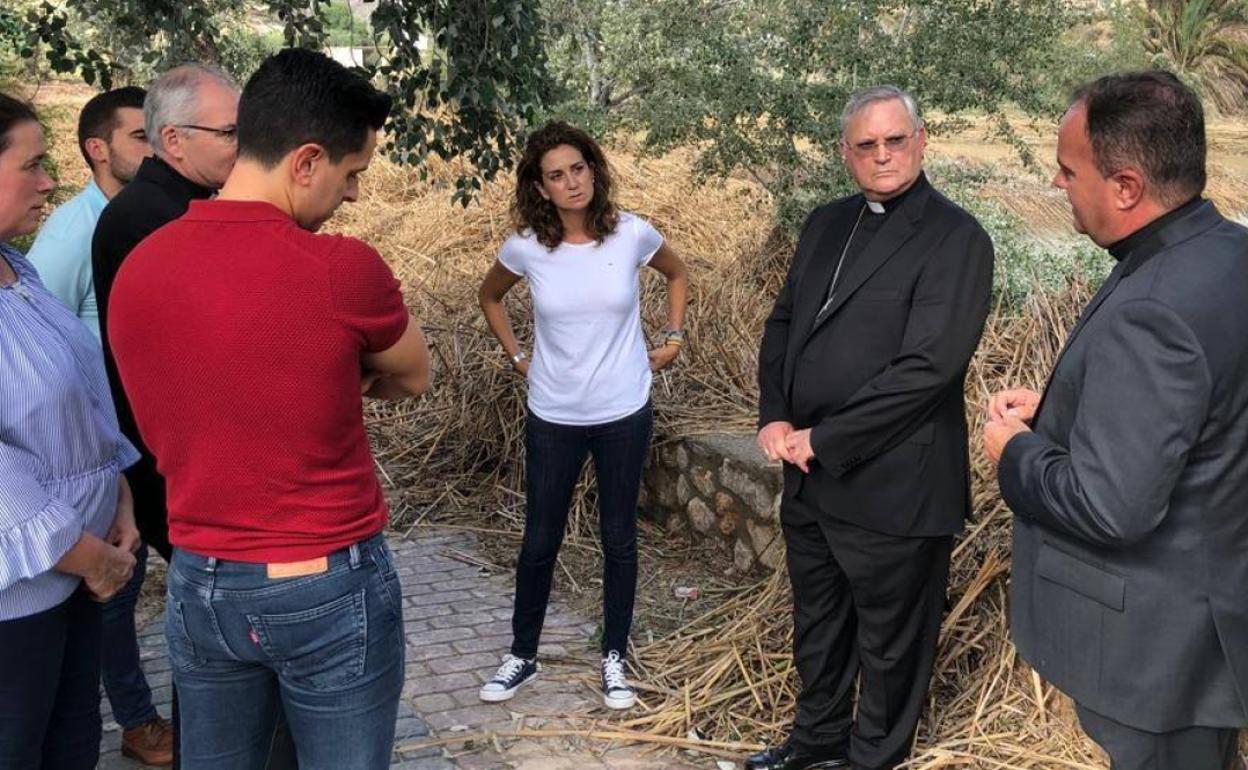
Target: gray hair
[859, 100]
[174, 96]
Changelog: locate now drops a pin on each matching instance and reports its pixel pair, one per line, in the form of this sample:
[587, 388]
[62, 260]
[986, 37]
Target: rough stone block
[701, 515]
[726, 513]
[703, 480]
[756, 495]
[683, 491]
[682, 456]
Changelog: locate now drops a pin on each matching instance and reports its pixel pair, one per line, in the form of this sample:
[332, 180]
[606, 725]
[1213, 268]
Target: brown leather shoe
[150, 743]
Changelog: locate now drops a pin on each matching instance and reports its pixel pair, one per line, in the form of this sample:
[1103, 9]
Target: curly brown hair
[530, 211]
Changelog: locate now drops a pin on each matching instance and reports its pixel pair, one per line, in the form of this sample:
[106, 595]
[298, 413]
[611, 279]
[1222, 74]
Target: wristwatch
[674, 337]
[517, 358]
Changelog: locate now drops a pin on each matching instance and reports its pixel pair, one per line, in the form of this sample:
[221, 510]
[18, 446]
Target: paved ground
[457, 619]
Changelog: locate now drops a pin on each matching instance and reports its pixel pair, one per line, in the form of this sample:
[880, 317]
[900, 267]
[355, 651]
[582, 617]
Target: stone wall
[720, 487]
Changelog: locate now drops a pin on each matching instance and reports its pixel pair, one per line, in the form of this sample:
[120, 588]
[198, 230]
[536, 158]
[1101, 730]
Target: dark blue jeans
[555, 455]
[327, 649]
[50, 688]
[127, 687]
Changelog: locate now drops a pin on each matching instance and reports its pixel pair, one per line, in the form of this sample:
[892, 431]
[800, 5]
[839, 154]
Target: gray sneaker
[616, 692]
[511, 676]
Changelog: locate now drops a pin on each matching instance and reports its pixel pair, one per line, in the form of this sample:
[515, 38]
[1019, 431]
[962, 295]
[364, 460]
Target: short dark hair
[300, 97]
[1152, 121]
[12, 112]
[98, 119]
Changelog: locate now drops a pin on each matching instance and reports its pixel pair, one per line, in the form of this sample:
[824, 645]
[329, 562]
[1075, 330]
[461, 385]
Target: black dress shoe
[790, 757]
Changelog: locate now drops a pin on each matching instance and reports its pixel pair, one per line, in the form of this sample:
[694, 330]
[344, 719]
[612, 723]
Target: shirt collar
[217, 210]
[159, 172]
[95, 194]
[1123, 248]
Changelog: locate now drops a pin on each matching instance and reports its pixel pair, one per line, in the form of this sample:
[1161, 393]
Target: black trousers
[866, 605]
[50, 688]
[1192, 748]
[151, 512]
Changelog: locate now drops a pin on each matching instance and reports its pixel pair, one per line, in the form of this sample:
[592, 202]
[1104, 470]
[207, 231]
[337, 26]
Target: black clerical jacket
[156, 196]
[879, 377]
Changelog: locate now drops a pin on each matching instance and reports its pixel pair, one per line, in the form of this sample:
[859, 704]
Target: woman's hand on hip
[662, 357]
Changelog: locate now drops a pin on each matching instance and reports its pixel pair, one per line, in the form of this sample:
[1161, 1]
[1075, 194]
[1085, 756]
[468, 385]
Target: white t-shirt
[589, 359]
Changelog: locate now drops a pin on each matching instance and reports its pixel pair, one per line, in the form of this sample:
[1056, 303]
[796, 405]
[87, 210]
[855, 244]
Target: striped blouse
[60, 449]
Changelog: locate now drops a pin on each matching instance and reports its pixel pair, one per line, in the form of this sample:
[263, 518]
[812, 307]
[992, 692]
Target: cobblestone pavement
[458, 623]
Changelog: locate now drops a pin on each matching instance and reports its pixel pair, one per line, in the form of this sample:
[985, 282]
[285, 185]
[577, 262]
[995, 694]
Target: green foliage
[12, 35]
[467, 75]
[342, 28]
[471, 92]
[242, 50]
[1204, 40]
[757, 84]
[1101, 40]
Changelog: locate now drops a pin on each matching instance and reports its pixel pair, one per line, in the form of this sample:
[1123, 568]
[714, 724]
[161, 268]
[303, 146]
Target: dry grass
[456, 453]
[726, 675]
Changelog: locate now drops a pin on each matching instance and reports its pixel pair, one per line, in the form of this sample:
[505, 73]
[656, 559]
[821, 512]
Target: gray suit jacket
[1130, 578]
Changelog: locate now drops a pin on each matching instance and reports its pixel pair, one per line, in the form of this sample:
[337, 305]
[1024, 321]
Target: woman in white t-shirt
[589, 379]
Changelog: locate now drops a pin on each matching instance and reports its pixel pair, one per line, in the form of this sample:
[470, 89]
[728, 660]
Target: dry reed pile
[726, 675]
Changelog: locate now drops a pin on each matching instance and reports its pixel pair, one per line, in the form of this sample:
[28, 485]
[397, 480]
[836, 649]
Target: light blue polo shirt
[62, 253]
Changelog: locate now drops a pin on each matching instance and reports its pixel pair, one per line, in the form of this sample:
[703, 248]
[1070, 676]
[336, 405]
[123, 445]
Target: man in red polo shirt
[244, 340]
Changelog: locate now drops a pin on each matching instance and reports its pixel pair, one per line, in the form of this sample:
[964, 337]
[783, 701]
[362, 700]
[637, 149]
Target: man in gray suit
[1129, 477]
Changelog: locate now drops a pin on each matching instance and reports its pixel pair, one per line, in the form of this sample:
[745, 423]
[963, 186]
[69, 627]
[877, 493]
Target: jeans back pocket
[322, 647]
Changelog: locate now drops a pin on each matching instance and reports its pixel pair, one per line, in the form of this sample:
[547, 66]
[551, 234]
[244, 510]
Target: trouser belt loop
[211, 566]
[354, 552]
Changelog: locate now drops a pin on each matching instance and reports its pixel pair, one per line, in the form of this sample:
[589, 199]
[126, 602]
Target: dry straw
[726, 676]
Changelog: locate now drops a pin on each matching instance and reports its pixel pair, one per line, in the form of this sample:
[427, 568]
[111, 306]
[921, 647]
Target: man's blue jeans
[326, 648]
[127, 687]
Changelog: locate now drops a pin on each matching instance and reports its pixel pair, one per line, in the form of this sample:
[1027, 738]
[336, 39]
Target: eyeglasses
[898, 143]
[226, 134]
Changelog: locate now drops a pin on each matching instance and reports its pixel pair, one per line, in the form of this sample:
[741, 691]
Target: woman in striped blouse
[66, 525]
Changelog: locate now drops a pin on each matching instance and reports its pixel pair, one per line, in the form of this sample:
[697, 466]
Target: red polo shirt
[238, 337]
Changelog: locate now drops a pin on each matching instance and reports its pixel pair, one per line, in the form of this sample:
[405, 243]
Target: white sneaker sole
[619, 703]
[490, 696]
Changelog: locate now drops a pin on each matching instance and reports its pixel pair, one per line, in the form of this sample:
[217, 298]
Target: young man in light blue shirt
[113, 142]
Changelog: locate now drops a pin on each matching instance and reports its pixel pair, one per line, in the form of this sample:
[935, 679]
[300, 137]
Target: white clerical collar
[876, 207]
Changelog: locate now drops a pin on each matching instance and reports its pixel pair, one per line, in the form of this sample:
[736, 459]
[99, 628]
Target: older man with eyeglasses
[189, 116]
[860, 377]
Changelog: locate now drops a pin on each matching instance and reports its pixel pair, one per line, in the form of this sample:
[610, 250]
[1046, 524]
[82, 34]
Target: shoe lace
[511, 666]
[613, 672]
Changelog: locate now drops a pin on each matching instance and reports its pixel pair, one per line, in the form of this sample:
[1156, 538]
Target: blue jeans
[327, 649]
[127, 687]
[554, 457]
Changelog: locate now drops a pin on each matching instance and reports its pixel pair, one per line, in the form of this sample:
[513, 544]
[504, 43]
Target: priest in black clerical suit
[861, 395]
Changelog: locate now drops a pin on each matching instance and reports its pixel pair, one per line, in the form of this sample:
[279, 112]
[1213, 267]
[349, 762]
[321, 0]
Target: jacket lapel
[898, 229]
[821, 238]
[1199, 221]
[821, 265]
